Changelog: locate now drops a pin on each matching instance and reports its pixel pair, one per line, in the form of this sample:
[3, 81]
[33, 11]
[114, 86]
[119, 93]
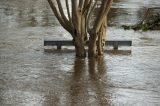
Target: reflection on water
[31, 77]
[97, 68]
[97, 72]
[88, 89]
[77, 84]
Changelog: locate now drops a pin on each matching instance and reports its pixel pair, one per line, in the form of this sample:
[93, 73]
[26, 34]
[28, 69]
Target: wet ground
[31, 77]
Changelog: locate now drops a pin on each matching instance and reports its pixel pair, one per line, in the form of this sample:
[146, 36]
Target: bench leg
[115, 45]
[59, 47]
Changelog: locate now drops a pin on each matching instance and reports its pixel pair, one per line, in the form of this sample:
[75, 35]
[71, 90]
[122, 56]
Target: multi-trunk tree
[77, 23]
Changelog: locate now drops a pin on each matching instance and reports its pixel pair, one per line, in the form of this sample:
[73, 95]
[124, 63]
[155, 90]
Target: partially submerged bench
[59, 43]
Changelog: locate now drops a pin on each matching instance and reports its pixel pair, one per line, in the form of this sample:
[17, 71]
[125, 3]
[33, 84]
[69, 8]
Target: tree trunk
[99, 44]
[80, 47]
[92, 50]
[101, 38]
[80, 34]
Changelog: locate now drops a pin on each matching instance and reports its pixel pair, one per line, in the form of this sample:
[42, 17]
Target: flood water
[29, 76]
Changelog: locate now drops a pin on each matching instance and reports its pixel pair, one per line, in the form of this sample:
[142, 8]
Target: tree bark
[99, 29]
[92, 50]
[80, 47]
[101, 38]
[80, 33]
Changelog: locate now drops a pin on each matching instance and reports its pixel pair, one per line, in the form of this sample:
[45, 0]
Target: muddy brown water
[29, 76]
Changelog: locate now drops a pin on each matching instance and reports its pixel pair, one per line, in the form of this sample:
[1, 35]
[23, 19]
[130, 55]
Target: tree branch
[58, 16]
[68, 11]
[89, 16]
[62, 13]
[104, 9]
[81, 3]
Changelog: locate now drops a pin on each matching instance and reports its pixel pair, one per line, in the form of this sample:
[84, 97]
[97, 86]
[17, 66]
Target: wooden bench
[59, 43]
